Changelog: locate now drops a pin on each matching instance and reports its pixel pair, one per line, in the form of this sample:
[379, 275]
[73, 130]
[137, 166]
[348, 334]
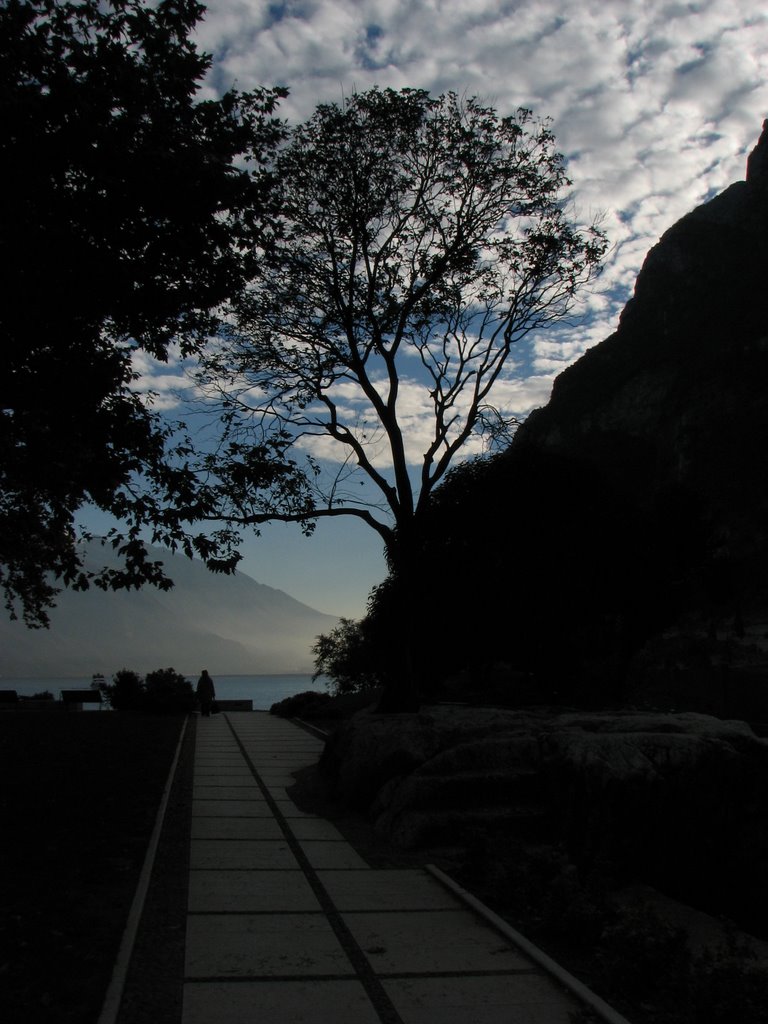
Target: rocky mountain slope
[232, 624]
[635, 501]
[671, 412]
[675, 399]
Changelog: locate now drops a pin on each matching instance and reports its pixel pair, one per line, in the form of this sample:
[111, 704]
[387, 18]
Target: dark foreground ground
[79, 793]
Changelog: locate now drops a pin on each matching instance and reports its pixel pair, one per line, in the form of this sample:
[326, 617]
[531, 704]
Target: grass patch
[628, 952]
[78, 802]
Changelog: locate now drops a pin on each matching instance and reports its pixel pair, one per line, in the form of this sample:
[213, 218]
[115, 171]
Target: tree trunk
[402, 690]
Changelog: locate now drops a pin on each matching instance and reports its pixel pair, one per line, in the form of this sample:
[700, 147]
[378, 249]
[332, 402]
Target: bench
[235, 705]
[74, 699]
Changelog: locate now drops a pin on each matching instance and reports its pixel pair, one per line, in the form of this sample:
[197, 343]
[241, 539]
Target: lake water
[264, 691]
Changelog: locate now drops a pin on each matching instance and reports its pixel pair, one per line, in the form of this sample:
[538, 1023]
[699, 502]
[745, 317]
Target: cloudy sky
[655, 104]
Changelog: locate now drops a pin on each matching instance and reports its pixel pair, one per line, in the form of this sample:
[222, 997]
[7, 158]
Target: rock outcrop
[672, 411]
[635, 501]
[674, 405]
[675, 800]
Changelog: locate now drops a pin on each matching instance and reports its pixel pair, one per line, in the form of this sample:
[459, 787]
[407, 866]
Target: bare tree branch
[423, 239]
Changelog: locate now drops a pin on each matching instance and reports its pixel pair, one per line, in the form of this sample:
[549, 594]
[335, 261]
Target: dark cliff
[675, 399]
[670, 413]
[636, 502]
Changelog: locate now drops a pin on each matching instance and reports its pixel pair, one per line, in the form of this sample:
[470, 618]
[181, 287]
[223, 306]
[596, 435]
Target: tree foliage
[349, 657]
[164, 691]
[422, 239]
[542, 579]
[126, 218]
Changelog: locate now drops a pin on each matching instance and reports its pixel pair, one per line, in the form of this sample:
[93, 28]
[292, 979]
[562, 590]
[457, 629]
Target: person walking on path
[206, 693]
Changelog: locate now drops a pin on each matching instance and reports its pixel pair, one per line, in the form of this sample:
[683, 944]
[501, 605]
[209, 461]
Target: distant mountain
[229, 624]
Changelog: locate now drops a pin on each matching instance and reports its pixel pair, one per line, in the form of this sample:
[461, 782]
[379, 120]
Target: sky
[654, 104]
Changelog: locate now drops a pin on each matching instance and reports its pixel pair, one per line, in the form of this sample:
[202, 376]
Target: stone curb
[579, 989]
[113, 997]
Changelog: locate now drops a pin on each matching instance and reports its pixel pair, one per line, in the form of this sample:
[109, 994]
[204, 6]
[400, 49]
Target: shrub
[729, 985]
[168, 692]
[126, 693]
[165, 691]
[308, 704]
[632, 955]
[640, 956]
[348, 656]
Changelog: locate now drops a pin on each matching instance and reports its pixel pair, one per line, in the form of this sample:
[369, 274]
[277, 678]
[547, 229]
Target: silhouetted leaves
[125, 221]
[422, 238]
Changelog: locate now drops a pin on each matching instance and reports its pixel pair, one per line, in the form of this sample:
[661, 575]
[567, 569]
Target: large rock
[373, 748]
[676, 800]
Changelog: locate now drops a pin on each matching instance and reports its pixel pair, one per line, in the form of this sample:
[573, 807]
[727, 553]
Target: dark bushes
[312, 704]
[308, 704]
[164, 691]
[638, 958]
[167, 691]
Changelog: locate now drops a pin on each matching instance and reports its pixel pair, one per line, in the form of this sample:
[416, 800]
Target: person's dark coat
[206, 693]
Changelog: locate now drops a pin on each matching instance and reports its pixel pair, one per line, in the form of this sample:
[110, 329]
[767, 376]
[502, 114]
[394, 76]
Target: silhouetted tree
[125, 692]
[543, 576]
[126, 218]
[164, 691]
[423, 238]
[169, 692]
[347, 655]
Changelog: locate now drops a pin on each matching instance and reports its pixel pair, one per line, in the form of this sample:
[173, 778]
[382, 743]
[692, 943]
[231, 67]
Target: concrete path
[288, 924]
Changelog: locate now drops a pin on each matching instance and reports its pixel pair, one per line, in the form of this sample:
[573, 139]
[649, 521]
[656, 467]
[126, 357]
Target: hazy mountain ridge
[229, 624]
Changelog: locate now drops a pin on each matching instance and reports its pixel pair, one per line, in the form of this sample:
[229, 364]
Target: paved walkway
[287, 923]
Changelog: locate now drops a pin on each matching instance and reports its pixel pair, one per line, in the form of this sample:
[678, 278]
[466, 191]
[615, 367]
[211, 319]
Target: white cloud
[514, 397]
[655, 104]
[165, 384]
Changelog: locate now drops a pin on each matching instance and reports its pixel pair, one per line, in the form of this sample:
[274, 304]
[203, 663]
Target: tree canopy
[421, 239]
[127, 215]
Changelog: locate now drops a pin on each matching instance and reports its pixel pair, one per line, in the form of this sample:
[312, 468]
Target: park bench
[74, 699]
[235, 705]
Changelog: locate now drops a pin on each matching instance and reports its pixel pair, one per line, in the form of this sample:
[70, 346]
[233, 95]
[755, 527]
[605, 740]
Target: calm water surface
[264, 691]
